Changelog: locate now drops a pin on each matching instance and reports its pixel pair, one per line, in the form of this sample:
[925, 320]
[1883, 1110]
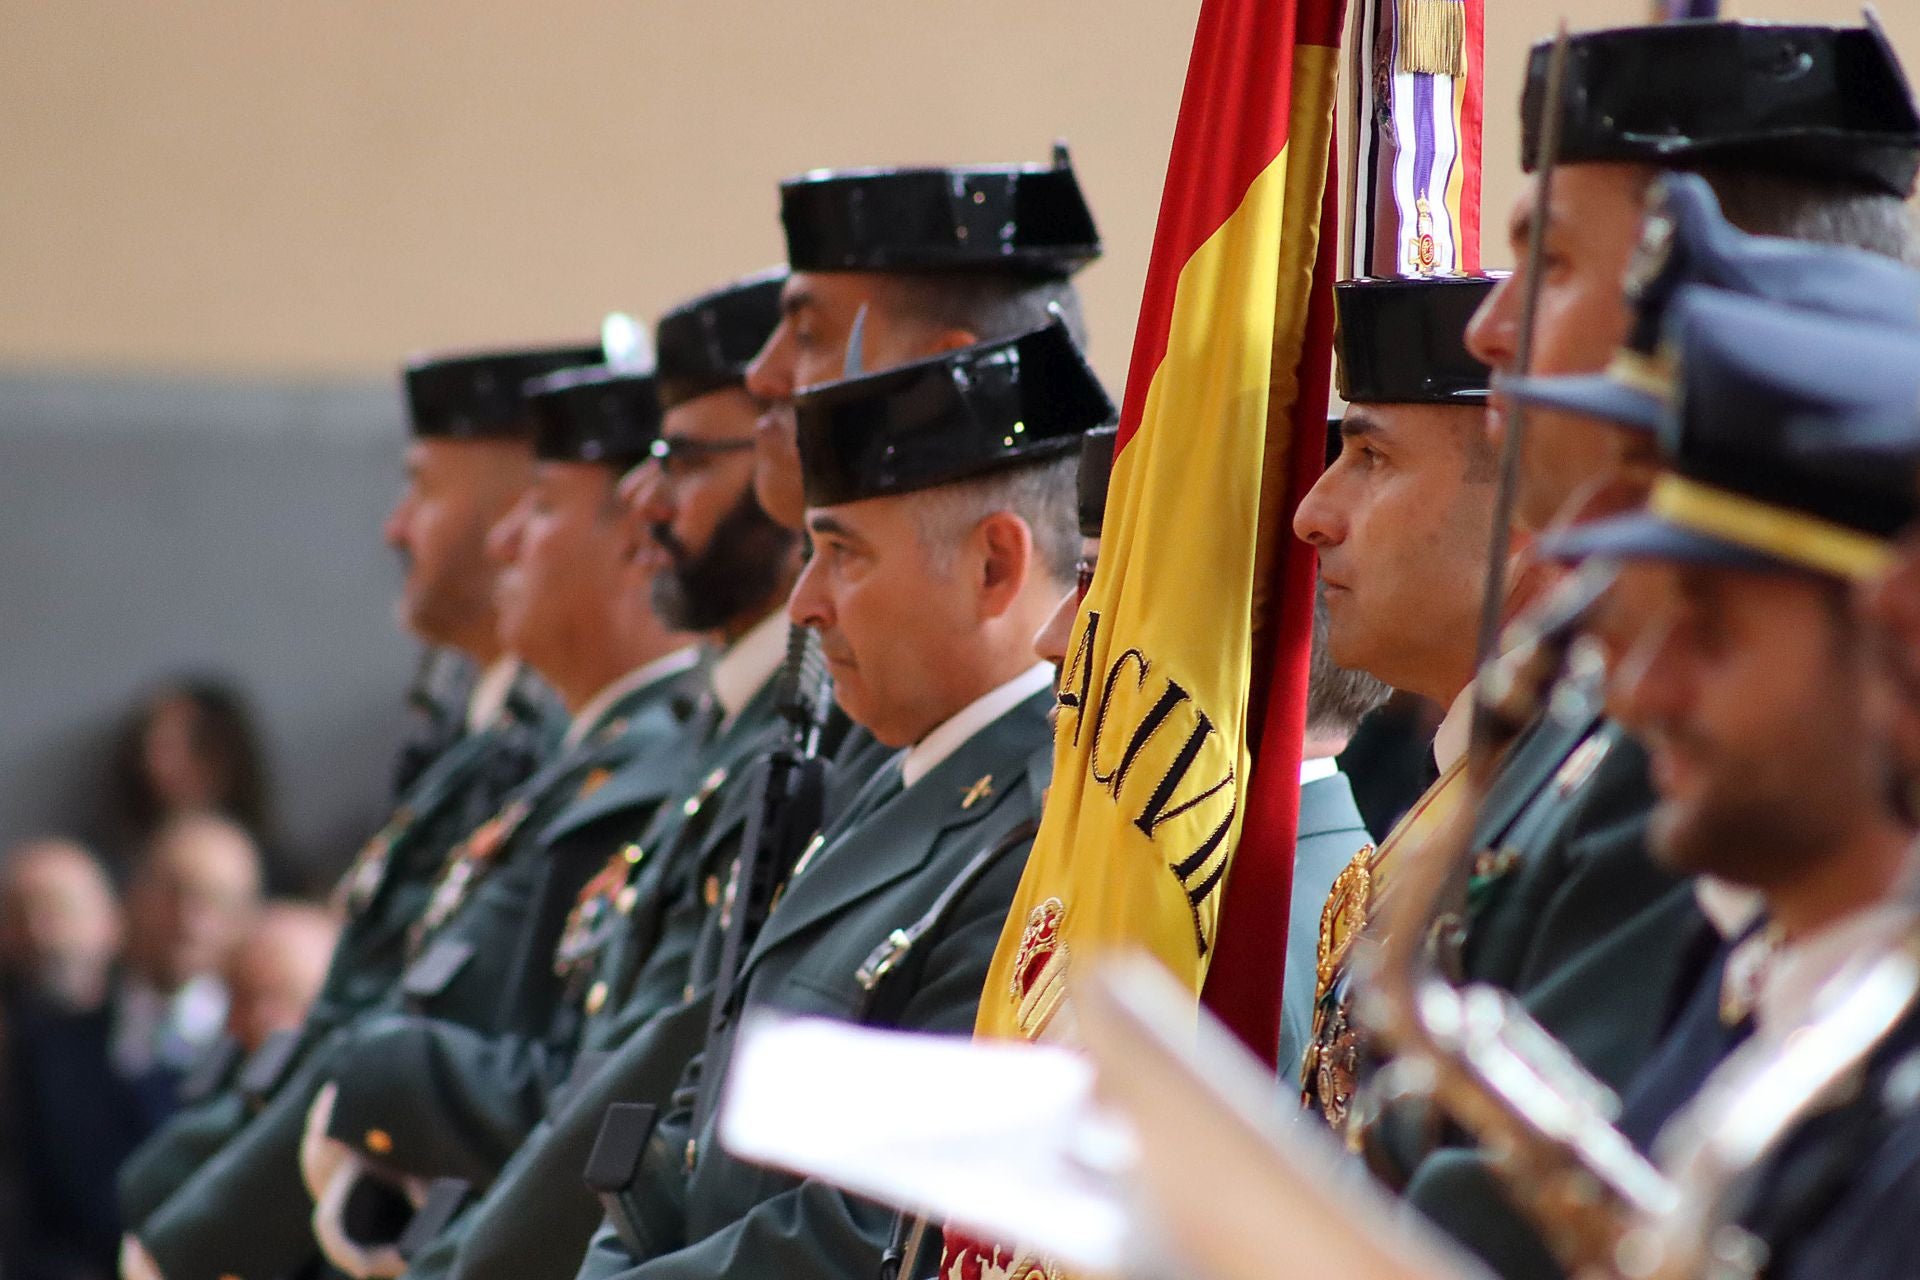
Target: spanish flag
[1170, 826]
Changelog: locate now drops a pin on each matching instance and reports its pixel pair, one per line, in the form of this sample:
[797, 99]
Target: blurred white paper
[1002, 1140]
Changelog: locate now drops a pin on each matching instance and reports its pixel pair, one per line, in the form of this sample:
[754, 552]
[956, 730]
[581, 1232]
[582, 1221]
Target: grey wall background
[149, 527]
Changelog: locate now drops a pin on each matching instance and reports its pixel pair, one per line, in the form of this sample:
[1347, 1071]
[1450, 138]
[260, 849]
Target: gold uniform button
[596, 998]
[710, 891]
[693, 1152]
[379, 1141]
[633, 853]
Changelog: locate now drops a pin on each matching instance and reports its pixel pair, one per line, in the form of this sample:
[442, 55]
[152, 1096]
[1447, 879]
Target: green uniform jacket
[535, 1221]
[246, 1213]
[465, 783]
[1573, 916]
[968, 823]
[456, 1101]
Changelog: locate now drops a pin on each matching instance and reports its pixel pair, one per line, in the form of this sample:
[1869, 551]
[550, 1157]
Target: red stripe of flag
[1232, 123]
[1245, 979]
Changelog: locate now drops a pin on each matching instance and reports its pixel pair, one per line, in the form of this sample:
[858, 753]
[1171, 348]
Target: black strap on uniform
[786, 814]
[886, 958]
[614, 1167]
[446, 1197]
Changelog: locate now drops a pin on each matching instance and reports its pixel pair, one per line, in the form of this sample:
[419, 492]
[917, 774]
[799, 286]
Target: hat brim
[1643, 536]
[1588, 395]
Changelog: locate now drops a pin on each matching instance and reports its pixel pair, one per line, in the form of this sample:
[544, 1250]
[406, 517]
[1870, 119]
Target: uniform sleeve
[811, 1229]
[245, 1213]
[534, 1223]
[163, 1163]
[438, 1100]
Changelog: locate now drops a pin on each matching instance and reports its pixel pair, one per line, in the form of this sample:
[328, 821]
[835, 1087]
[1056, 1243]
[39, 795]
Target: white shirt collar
[1789, 989]
[1729, 908]
[1450, 739]
[1315, 770]
[596, 709]
[749, 662]
[952, 734]
[489, 696]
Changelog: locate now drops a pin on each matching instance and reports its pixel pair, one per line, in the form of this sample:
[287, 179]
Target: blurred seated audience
[70, 1117]
[277, 969]
[106, 1010]
[192, 746]
[194, 894]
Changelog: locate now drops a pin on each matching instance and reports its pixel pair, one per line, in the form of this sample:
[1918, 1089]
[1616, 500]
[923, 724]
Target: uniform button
[596, 998]
[693, 1152]
[710, 892]
[633, 853]
[686, 994]
[379, 1141]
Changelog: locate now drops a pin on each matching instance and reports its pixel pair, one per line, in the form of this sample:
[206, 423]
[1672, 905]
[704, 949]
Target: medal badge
[470, 859]
[579, 940]
[369, 869]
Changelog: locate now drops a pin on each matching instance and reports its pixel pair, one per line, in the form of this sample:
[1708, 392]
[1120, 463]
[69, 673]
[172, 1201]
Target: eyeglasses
[683, 455]
[1083, 577]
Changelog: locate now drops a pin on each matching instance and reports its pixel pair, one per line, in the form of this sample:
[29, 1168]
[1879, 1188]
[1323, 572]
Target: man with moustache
[1567, 911]
[914, 477]
[925, 260]
[1330, 828]
[469, 461]
[480, 950]
[635, 1006]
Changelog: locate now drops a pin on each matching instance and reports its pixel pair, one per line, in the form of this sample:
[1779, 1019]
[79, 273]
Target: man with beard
[956, 473]
[480, 950]
[1569, 912]
[469, 462]
[1330, 828]
[1754, 684]
[522, 1119]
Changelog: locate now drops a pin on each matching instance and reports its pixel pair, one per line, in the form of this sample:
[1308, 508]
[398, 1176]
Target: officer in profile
[955, 473]
[479, 952]
[469, 461]
[1803, 131]
[1401, 523]
[923, 260]
[524, 1113]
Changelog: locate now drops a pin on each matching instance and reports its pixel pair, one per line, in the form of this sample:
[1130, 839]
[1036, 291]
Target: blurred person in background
[69, 1116]
[277, 970]
[191, 746]
[193, 896]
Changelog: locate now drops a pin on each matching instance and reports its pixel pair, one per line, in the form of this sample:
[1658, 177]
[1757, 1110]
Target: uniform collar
[489, 696]
[1790, 988]
[749, 662]
[602, 702]
[949, 736]
[1318, 770]
[1729, 908]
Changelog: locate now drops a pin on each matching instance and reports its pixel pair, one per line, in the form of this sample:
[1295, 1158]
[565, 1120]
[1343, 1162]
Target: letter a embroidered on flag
[1188, 659]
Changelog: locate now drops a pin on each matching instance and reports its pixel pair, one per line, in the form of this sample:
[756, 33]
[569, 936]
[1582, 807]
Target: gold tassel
[1433, 37]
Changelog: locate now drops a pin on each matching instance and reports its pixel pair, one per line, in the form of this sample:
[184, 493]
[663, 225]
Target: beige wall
[226, 185]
